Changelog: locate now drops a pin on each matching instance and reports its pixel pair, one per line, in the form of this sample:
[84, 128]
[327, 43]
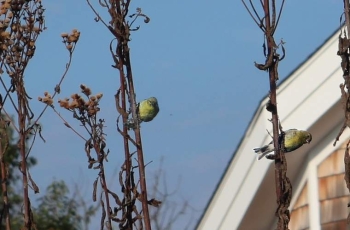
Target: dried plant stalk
[4, 143]
[268, 24]
[126, 103]
[344, 53]
[21, 22]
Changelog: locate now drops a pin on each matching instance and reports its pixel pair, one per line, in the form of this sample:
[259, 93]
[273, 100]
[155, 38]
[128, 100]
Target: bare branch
[279, 15]
[259, 24]
[283, 185]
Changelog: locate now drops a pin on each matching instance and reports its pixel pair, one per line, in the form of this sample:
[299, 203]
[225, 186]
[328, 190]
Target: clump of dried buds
[77, 102]
[71, 39]
[20, 26]
[47, 99]
[85, 90]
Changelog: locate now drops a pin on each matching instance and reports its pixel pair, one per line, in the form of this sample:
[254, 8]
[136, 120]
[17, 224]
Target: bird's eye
[309, 137]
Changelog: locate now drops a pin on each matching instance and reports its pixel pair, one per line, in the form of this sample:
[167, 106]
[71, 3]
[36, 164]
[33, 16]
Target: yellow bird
[148, 109]
[293, 139]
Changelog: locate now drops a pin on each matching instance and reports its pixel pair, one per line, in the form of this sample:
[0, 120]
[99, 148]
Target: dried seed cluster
[76, 101]
[20, 24]
[47, 99]
[70, 39]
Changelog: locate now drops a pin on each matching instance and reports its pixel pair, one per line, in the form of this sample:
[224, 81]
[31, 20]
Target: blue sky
[196, 57]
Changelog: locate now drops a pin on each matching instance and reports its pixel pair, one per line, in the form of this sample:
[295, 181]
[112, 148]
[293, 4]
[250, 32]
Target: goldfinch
[293, 139]
[148, 109]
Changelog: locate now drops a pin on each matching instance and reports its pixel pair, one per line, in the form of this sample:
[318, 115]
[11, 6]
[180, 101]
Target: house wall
[300, 211]
[333, 196]
[333, 193]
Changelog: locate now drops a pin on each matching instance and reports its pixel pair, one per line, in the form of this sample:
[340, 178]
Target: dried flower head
[64, 103]
[92, 98]
[99, 96]
[75, 96]
[86, 90]
[47, 99]
[73, 37]
[64, 35]
[74, 104]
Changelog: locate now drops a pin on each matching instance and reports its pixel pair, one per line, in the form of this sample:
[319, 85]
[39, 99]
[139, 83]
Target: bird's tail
[261, 152]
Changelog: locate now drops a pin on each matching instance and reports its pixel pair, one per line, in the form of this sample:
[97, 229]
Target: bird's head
[153, 100]
[308, 137]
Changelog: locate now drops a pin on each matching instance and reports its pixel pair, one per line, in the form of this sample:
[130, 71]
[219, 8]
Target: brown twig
[18, 47]
[283, 185]
[125, 101]
[57, 87]
[127, 155]
[4, 142]
[141, 163]
[344, 53]
[3, 110]
[86, 111]
[169, 212]
[258, 20]
[68, 125]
